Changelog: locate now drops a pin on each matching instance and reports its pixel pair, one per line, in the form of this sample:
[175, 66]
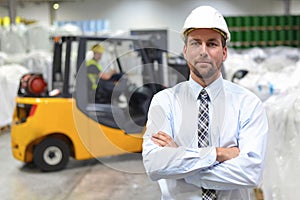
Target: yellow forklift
[54, 119]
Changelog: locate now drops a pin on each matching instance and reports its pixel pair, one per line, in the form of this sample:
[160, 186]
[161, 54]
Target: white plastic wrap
[9, 82]
[68, 29]
[281, 177]
[15, 66]
[3, 57]
[23, 51]
[12, 42]
[270, 71]
[38, 37]
[236, 61]
[274, 77]
[39, 62]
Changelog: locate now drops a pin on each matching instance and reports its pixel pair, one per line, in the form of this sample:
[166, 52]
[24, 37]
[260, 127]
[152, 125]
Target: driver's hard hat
[205, 17]
[98, 48]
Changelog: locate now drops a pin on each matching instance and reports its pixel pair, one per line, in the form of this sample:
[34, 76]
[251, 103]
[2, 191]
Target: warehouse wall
[148, 14]
[143, 14]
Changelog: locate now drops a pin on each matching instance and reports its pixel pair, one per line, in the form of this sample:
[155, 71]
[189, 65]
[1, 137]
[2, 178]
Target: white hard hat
[206, 17]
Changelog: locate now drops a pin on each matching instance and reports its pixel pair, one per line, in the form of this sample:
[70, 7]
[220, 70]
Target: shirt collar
[213, 89]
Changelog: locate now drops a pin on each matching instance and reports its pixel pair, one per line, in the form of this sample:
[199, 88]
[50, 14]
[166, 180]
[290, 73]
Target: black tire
[51, 154]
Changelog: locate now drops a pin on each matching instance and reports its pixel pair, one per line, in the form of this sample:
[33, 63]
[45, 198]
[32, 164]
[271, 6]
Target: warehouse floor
[85, 180]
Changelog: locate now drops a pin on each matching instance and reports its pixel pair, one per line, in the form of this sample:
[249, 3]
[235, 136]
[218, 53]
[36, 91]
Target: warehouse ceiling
[23, 2]
[4, 3]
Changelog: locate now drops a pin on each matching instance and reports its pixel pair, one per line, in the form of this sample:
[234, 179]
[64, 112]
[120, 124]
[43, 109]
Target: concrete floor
[114, 178]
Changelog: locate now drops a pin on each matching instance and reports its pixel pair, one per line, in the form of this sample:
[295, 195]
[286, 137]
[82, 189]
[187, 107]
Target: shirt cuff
[208, 156]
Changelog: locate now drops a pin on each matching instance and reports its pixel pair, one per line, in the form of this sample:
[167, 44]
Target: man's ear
[224, 53]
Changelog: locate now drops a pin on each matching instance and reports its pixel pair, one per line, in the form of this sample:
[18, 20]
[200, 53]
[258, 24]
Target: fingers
[236, 150]
[160, 139]
[164, 140]
[224, 154]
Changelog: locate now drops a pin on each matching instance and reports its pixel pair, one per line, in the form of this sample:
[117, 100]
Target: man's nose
[203, 49]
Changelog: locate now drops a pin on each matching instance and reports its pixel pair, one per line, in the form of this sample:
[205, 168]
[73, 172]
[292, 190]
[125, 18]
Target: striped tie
[203, 139]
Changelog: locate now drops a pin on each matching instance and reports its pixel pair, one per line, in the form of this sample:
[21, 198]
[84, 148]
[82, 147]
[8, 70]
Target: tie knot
[203, 95]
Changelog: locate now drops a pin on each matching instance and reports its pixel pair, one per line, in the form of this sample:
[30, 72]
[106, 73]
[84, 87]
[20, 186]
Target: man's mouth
[203, 62]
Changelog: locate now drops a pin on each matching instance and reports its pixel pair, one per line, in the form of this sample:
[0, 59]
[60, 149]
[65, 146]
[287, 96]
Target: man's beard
[206, 75]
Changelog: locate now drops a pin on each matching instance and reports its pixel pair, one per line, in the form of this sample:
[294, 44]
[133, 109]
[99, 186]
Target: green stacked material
[264, 31]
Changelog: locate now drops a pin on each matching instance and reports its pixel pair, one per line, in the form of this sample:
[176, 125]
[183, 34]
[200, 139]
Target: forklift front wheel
[51, 154]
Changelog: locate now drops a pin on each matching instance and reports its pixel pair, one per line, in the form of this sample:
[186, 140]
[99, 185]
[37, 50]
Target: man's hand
[113, 71]
[224, 154]
[107, 75]
[163, 140]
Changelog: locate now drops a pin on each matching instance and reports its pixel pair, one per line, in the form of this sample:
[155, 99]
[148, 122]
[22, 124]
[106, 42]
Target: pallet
[259, 194]
[4, 129]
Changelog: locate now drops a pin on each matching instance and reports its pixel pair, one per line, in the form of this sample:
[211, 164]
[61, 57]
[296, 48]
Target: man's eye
[194, 43]
[212, 44]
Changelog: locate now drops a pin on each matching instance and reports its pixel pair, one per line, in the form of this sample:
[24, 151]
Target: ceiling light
[55, 6]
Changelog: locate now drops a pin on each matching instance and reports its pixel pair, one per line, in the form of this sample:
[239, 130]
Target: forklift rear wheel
[51, 154]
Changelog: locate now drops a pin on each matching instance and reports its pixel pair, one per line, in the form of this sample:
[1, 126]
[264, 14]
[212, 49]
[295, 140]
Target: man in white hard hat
[206, 137]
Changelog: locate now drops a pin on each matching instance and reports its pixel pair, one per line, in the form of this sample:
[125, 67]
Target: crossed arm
[164, 140]
[237, 165]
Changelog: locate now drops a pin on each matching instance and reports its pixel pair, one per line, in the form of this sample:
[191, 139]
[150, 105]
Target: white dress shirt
[236, 118]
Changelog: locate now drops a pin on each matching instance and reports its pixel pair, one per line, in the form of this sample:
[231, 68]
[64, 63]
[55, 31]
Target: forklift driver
[101, 84]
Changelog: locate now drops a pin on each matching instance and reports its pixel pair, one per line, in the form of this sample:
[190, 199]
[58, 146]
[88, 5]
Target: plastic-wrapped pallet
[38, 37]
[9, 83]
[10, 74]
[237, 61]
[271, 73]
[39, 62]
[12, 42]
[68, 29]
[275, 79]
[3, 57]
[281, 177]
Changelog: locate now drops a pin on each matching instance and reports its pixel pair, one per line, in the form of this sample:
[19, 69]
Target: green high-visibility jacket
[94, 68]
